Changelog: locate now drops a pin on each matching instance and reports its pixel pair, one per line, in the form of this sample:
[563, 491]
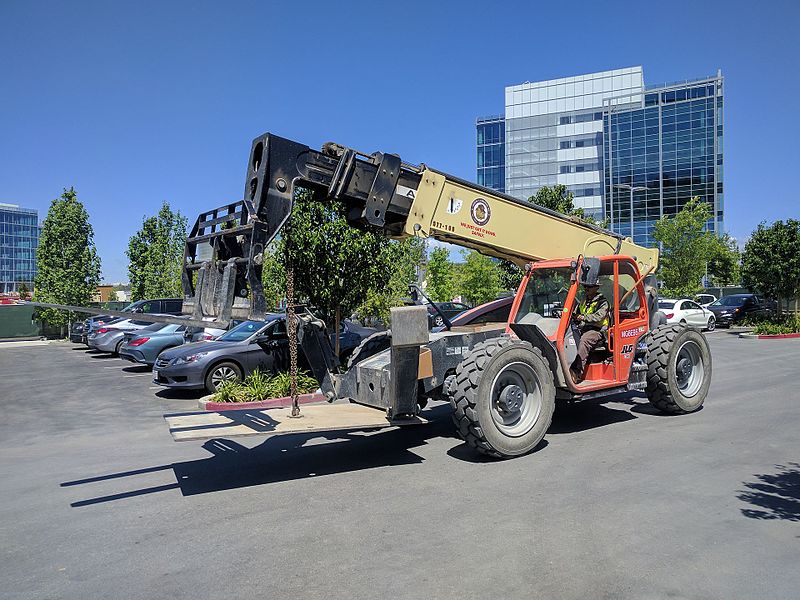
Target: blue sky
[134, 103]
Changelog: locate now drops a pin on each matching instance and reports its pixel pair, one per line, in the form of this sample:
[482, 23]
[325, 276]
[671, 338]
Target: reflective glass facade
[667, 146]
[601, 134]
[491, 152]
[19, 238]
[554, 134]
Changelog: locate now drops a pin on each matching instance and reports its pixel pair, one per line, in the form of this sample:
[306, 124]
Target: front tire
[712, 323]
[503, 397]
[678, 369]
[222, 373]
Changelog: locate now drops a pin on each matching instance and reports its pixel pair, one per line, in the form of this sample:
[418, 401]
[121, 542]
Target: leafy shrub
[260, 386]
[774, 325]
[230, 391]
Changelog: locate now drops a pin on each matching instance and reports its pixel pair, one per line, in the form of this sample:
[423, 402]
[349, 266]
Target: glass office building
[19, 238]
[660, 150]
[604, 133]
[491, 152]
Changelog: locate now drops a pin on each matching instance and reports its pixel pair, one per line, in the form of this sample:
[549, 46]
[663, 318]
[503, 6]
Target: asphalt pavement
[98, 502]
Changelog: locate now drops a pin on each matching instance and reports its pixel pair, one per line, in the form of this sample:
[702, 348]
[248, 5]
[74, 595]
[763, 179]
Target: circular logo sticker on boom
[480, 211]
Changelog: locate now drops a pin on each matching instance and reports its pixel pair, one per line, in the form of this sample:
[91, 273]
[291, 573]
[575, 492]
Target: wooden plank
[197, 426]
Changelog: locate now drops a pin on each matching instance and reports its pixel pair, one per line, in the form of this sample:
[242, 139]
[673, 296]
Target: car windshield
[545, 292]
[666, 304]
[730, 301]
[241, 332]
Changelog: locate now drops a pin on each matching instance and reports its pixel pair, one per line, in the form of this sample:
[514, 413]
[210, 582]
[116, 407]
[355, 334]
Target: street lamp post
[632, 188]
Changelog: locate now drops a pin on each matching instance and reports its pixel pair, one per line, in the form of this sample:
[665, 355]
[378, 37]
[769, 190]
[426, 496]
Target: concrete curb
[205, 403]
[777, 336]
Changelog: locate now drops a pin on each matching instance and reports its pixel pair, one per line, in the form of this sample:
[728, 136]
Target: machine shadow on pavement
[284, 458]
[774, 496]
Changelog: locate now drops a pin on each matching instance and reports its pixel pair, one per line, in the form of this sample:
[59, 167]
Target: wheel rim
[222, 375]
[516, 399]
[439, 321]
[712, 323]
[689, 369]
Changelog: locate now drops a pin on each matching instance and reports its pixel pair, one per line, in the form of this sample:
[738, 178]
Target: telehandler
[502, 381]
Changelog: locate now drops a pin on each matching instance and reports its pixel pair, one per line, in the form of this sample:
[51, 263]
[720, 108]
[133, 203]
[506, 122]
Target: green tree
[771, 260]
[24, 292]
[403, 259]
[67, 265]
[724, 266]
[440, 276]
[686, 248]
[510, 275]
[559, 199]
[338, 267]
[155, 255]
[479, 279]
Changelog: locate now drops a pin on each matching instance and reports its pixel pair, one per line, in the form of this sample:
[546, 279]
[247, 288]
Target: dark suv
[730, 310]
[164, 306]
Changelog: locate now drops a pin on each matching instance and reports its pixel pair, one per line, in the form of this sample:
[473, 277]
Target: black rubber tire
[438, 321]
[663, 346]
[472, 404]
[711, 324]
[117, 347]
[370, 346]
[209, 385]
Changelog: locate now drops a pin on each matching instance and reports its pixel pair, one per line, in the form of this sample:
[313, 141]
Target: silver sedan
[109, 338]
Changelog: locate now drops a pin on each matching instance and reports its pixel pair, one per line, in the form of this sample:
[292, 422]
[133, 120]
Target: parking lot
[97, 501]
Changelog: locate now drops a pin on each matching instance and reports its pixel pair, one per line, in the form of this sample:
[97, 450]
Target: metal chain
[291, 323]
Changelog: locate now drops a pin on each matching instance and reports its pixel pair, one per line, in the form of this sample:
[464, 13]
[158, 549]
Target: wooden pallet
[195, 426]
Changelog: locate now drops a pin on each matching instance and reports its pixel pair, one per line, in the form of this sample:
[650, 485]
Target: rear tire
[503, 397]
[222, 373]
[678, 369]
[370, 346]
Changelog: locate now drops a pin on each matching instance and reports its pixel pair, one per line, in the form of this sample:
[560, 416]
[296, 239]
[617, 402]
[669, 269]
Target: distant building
[104, 293]
[19, 238]
[491, 153]
[628, 152]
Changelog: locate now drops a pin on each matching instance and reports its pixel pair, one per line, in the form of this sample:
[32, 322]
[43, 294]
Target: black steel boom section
[225, 249]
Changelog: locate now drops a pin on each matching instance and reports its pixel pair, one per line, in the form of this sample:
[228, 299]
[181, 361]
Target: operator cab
[549, 297]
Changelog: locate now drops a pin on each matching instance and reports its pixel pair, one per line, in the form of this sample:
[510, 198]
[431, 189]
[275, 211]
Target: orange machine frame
[622, 336]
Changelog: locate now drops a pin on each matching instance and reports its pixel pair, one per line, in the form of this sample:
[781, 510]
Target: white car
[705, 299]
[688, 312]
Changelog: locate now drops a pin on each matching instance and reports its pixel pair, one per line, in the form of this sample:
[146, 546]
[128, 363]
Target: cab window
[545, 293]
[627, 281]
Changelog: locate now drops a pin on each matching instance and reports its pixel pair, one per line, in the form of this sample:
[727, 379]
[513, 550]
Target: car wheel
[438, 321]
[712, 323]
[118, 346]
[222, 373]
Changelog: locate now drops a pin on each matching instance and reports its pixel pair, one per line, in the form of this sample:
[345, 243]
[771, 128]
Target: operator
[592, 317]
